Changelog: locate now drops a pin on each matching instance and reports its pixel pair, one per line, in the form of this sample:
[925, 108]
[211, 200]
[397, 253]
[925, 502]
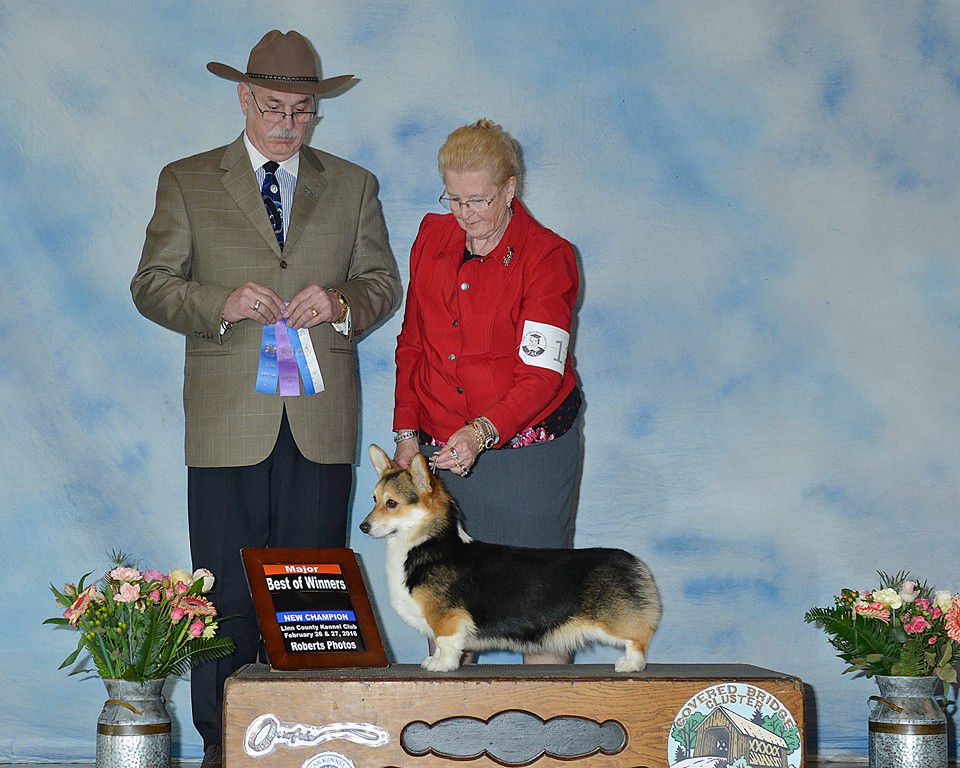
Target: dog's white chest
[400, 599]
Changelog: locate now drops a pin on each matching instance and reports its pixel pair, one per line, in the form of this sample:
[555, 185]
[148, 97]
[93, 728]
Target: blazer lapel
[241, 182]
[310, 185]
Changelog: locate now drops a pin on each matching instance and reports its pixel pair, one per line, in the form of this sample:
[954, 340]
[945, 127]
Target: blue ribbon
[267, 371]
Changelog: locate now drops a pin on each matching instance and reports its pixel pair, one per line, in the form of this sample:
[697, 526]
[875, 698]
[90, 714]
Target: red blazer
[485, 338]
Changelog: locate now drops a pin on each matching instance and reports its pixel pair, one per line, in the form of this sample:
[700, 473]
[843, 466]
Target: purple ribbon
[289, 381]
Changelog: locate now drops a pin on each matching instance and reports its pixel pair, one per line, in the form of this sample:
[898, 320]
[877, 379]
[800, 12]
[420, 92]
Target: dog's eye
[391, 503]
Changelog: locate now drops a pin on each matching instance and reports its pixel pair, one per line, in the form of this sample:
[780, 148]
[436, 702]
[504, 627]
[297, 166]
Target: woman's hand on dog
[406, 450]
[464, 443]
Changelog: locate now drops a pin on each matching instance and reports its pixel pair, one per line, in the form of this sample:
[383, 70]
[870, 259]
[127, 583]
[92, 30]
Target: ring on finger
[314, 311]
[456, 457]
[256, 305]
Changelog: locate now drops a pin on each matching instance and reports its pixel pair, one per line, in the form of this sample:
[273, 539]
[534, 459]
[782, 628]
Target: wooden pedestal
[685, 716]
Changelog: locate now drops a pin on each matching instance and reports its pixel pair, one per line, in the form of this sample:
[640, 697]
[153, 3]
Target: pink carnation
[129, 593]
[933, 640]
[156, 596]
[936, 613]
[916, 625]
[196, 629]
[923, 604]
[182, 588]
[873, 610]
[176, 614]
[168, 592]
[123, 573]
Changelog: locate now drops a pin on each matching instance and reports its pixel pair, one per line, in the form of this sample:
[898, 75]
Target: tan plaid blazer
[209, 235]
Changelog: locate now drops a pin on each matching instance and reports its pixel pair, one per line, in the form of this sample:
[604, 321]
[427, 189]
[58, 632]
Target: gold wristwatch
[344, 307]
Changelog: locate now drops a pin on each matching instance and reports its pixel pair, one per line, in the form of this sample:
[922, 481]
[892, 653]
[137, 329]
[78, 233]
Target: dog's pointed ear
[381, 462]
[420, 473]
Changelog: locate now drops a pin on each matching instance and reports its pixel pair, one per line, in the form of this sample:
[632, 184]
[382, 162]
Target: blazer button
[283, 264]
[464, 286]
[459, 390]
[451, 356]
[454, 323]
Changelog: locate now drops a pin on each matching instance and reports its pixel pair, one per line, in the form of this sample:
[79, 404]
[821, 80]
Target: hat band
[287, 78]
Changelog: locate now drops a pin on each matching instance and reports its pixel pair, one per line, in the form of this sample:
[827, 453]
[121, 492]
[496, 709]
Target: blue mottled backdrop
[764, 197]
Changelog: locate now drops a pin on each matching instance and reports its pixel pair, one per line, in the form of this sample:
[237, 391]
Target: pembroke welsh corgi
[467, 595]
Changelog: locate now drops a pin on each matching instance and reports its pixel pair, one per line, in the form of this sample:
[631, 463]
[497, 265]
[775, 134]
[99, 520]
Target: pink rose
[129, 593]
[932, 640]
[176, 614]
[182, 588]
[936, 613]
[196, 629]
[156, 596]
[923, 604]
[916, 625]
[168, 592]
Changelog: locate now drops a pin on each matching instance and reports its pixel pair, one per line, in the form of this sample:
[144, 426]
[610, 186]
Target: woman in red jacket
[483, 364]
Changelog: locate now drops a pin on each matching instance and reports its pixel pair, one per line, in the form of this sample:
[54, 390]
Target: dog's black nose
[365, 527]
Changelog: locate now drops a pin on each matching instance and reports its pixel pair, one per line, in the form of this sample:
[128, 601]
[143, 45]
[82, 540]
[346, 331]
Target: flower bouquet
[142, 625]
[904, 628]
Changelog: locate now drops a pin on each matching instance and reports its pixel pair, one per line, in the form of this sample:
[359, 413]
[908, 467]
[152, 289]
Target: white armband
[544, 346]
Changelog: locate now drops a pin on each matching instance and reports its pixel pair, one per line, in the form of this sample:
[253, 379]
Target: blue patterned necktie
[271, 199]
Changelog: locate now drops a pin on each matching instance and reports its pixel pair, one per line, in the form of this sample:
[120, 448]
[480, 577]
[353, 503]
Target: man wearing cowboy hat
[264, 231]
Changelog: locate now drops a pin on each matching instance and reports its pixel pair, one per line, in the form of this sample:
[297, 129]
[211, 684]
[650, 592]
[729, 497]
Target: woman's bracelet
[486, 433]
[404, 434]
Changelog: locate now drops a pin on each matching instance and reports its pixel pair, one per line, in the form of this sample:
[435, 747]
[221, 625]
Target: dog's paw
[438, 663]
[630, 663]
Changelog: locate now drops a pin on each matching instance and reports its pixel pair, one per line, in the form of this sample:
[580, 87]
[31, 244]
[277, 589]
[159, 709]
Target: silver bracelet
[404, 434]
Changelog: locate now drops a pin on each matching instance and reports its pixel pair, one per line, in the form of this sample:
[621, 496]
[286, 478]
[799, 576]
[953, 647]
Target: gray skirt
[526, 496]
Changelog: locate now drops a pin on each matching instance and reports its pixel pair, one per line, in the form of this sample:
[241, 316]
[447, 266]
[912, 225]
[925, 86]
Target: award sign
[313, 608]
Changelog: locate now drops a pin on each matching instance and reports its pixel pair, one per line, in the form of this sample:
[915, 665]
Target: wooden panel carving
[514, 737]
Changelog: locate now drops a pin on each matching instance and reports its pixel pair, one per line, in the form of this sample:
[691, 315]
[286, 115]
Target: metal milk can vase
[908, 728]
[133, 730]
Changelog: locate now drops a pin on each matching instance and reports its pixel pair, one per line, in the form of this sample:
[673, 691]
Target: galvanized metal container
[133, 730]
[908, 728]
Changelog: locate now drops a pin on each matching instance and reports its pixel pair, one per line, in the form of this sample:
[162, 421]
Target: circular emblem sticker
[734, 725]
[328, 760]
[534, 344]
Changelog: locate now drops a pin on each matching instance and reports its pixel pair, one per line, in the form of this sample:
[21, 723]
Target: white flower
[888, 596]
[908, 591]
[207, 576]
[943, 600]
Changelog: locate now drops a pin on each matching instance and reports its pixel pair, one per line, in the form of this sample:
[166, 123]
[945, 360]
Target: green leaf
[947, 653]
[947, 674]
[83, 578]
[856, 637]
[197, 651]
[872, 657]
[72, 657]
[57, 620]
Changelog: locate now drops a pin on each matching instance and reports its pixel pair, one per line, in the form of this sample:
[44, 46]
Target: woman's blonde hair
[480, 146]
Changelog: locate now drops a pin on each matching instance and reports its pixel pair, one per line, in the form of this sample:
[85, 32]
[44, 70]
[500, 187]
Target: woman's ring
[456, 457]
[256, 305]
[314, 312]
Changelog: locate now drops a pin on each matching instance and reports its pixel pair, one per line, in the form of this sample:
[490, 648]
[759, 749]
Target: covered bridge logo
[734, 725]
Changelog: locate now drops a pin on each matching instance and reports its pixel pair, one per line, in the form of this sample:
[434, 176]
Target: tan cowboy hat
[281, 62]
